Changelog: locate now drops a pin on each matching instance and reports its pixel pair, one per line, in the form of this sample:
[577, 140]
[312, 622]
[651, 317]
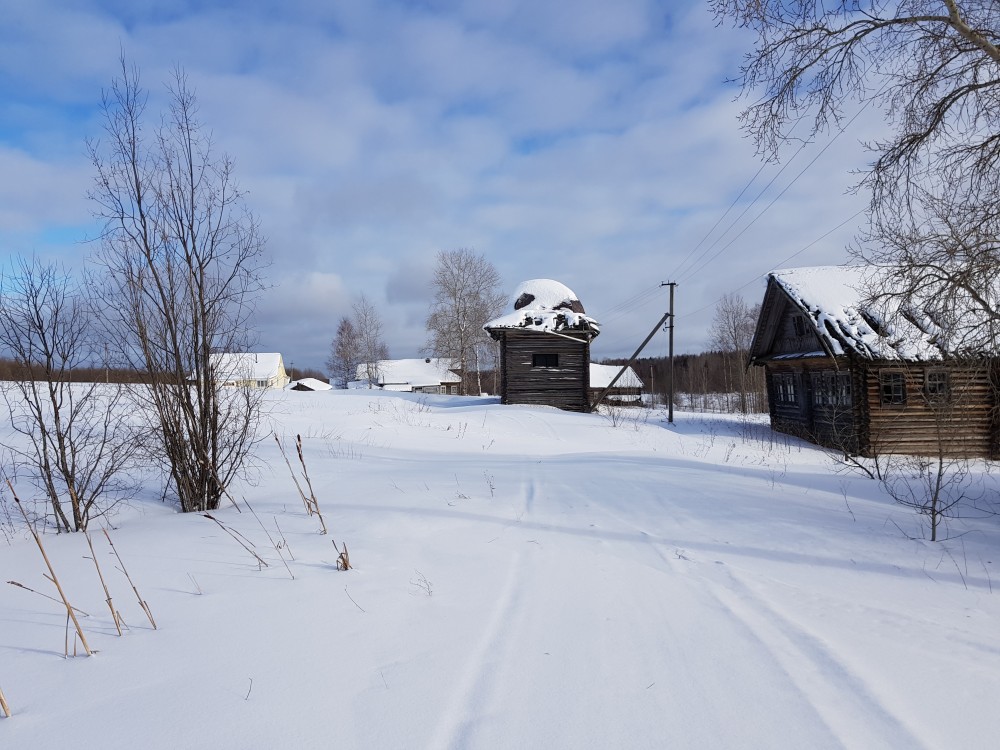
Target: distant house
[545, 347]
[308, 384]
[627, 390]
[849, 374]
[427, 375]
[249, 369]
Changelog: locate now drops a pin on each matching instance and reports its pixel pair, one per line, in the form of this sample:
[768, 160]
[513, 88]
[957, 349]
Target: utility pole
[670, 367]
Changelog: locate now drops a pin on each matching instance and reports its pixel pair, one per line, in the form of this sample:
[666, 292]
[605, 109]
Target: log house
[846, 374]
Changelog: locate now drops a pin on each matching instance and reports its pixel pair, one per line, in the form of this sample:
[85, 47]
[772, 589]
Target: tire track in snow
[851, 711]
[470, 700]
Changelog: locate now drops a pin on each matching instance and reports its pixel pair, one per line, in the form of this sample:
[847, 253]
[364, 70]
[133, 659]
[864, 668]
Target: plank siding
[565, 386]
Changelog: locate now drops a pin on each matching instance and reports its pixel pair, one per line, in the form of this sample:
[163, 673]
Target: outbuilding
[545, 347]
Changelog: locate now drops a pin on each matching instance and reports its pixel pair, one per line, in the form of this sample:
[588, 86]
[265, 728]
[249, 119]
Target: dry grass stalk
[283, 540]
[277, 547]
[4, 705]
[343, 558]
[52, 577]
[305, 473]
[240, 540]
[305, 500]
[142, 602]
[50, 598]
[115, 614]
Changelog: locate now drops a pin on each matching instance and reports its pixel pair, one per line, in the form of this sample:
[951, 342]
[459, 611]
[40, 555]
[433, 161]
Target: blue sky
[592, 142]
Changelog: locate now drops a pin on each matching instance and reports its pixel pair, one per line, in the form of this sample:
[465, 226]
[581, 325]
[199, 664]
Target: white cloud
[592, 142]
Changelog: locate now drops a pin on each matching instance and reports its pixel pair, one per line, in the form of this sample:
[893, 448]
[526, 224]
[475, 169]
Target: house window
[544, 359]
[784, 388]
[454, 390]
[262, 384]
[937, 385]
[892, 386]
[820, 388]
[844, 388]
[799, 325]
[831, 388]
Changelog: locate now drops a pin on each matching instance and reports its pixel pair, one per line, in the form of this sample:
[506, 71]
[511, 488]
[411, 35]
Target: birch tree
[467, 294]
[183, 255]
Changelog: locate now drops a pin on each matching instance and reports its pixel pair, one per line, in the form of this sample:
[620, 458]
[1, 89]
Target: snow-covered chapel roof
[545, 305]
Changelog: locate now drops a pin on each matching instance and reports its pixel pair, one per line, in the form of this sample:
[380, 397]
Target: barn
[626, 391]
[545, 347]
[870, 378]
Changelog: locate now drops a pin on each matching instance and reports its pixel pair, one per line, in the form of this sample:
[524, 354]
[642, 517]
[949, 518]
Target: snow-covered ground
[524, 578]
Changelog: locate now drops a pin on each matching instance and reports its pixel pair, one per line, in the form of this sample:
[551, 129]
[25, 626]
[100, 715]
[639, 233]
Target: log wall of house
[963, 424]
[832, 422]
[565, 386]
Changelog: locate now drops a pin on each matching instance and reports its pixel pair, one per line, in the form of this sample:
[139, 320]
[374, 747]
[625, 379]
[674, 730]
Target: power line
[779, 265]
[691, 271]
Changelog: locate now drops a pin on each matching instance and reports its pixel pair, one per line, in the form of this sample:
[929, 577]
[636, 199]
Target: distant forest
[709, 381]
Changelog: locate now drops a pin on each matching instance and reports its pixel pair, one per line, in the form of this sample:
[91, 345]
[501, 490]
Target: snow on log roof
[308, 384]
[602, 375]
[246, 365]
[411, 372]
[545, 305]
[839, 303]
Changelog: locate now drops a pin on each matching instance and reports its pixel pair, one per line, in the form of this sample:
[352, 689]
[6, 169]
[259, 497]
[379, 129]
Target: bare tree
[183, 256]
[731, 334]
[939, 255]
[371, 344]
[344, 353]
[467, 295]
[943, 484]
[932, 65]
[82, 445]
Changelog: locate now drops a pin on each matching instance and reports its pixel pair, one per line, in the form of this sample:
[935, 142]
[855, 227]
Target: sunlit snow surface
[524, 578]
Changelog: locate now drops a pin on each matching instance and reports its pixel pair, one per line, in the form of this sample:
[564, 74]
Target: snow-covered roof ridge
[850, 312]
[602, 375]
[246, 365]
[414, 372]
[548, 306]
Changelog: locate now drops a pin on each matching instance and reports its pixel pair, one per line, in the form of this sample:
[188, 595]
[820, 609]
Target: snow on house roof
[838, 302]
[411, 372]
[545, 305]
[246, 365]
[308, 384]
[602, 375]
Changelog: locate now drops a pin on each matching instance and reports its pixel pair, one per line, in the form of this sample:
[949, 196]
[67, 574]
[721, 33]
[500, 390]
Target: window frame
[785, 391]
[937, 393]
[888, 380]
[544, 360]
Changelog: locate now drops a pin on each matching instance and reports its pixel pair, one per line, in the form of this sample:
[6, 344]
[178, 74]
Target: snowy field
[524, 578]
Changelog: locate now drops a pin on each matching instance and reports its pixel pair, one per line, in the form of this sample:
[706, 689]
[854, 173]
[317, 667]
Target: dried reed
[115, 614]
[142, 602]
[240, 539]
[277, 547]
[4, 705]
[52, 577]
